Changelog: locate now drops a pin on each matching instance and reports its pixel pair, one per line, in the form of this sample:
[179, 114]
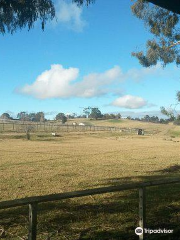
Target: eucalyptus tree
[18, 14]
[164, 25]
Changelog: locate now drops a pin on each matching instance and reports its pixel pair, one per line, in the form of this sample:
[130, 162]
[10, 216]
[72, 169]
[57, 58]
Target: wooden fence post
[142, 210]
[32, 221]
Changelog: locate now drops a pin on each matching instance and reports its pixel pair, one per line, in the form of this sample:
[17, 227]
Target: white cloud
[130, 102]
[95, 84]
[59, 82]
[70, 15]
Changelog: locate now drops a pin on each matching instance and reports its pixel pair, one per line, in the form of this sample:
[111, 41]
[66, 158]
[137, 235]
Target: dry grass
[75, 161]
[79, 161]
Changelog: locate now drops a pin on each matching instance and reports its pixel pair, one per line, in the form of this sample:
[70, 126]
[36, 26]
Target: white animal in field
[53, 134]
[81, 124]
[74, 124]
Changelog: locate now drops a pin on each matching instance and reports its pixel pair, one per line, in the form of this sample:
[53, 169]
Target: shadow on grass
[171, 169]
[104, 217]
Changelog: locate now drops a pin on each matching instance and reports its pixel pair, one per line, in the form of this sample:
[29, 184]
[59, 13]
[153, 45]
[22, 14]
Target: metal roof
[171, 5]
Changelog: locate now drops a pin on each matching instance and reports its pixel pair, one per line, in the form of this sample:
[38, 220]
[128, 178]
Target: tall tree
[6, 116]
[164, 25]
[18, 14]
[23, 116]
[62, 117]
[32, 117]
[95, 113]
[171, 112]
[87, 111]
[39, 117]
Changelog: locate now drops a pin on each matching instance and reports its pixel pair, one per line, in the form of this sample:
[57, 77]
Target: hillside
[154, 128]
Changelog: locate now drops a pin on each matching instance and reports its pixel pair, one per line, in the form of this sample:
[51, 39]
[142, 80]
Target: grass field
[74, 161]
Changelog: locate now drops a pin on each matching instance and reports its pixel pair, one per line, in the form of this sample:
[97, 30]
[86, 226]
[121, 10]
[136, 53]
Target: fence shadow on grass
[163, 202]
[103, 217]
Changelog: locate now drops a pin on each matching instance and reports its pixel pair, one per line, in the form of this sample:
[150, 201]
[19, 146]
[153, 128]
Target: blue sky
[83, 59]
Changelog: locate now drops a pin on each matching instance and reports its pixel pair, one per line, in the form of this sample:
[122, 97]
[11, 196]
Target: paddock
[76, 161]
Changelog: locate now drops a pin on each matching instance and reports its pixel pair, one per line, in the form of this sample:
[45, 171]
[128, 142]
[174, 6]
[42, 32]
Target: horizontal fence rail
[34, 201]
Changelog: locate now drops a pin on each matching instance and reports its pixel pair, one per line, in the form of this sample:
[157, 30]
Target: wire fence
[55, 127]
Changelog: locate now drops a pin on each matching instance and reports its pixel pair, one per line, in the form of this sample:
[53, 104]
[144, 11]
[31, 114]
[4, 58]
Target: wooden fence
[34, 201]
[51, 127]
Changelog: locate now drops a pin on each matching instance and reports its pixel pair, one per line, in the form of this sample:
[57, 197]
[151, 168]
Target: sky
[83, 58]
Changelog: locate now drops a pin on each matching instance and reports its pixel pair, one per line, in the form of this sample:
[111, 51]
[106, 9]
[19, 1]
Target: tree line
[152, 119]
[24, 116]
[93, 113]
